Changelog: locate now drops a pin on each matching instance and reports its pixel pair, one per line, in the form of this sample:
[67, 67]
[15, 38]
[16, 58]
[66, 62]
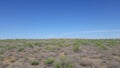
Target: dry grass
[60, 53]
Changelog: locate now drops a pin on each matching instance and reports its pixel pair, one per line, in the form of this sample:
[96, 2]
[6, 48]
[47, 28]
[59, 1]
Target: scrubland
[60, 53]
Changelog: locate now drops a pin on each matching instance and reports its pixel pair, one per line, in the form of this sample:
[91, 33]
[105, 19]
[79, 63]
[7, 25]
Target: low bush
[64, 62]
[49, 60]
[34, 62]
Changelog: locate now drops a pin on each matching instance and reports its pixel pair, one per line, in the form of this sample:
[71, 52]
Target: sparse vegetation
[60, 53]
[11, 47]
[49, 48]
[20, 49]
[49, 60]
[1, 57]
[63, 62]
[34, 62]
[100, 45]
[30, 45]
[57, 64]
[2, 51]
[76, 47]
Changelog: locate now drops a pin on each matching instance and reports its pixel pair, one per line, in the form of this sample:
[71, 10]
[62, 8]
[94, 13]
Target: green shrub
[38, 43]
[49, 60]
[2, 51]
[11, 47]
[76, 48]
[57, 65]
[49, 48]
[67, 45]
[20, 49]
[100, 45]
[76, 45]
[30, 45]
[64, 62]
[35, 62]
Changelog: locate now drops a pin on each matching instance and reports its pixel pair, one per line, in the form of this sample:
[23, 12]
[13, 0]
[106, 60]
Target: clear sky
[59, 19]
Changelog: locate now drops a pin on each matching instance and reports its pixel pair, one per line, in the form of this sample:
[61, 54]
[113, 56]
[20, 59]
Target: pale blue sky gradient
[59, 19]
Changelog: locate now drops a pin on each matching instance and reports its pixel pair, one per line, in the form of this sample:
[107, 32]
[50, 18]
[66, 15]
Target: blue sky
[59, 19]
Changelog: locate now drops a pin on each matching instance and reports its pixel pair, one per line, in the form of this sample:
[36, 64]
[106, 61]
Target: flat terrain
[60, 53]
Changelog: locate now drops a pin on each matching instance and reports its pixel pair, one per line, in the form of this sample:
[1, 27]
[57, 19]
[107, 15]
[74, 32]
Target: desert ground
[60, 53]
